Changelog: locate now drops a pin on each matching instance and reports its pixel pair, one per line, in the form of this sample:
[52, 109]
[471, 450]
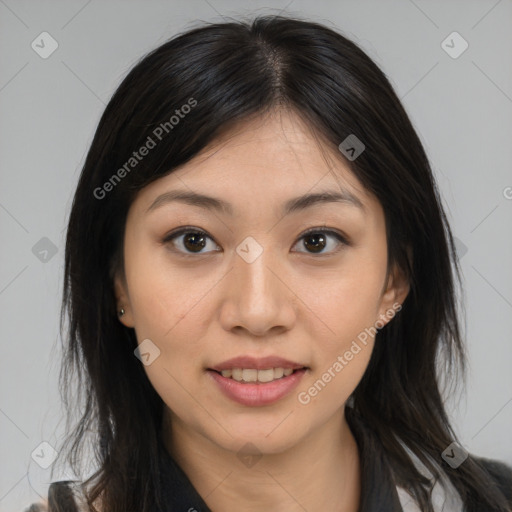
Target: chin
[264, 438]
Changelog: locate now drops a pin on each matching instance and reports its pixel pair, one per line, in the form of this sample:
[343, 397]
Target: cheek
[343, 352]
[348, 309]
[350, 298]
[163, 297]
[167, 310]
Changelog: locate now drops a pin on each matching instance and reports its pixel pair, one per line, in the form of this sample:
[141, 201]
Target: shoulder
[63, 496]
[67, 495]
[500, 472]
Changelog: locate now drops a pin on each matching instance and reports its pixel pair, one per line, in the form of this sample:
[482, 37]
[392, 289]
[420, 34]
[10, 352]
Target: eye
[193, 239]
[316, 240]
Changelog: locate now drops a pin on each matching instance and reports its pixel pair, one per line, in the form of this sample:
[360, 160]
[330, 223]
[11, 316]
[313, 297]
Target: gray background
[49, 108]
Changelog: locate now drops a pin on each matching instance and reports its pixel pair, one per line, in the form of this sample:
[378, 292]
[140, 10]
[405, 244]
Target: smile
[253, 375]
[245, 387]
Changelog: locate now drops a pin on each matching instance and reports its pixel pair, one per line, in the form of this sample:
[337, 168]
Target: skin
[306, 307]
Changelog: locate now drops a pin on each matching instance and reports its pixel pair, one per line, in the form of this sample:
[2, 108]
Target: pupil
[194, 237]
[318, 244]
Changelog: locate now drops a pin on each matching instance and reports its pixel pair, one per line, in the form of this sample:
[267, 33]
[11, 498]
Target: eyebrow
[291, 206]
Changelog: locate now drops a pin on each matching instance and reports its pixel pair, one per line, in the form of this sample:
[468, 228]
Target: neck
[322, 472]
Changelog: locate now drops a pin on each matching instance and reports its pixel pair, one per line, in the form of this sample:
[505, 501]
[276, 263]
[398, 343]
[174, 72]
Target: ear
[393, 296]
[123, 300]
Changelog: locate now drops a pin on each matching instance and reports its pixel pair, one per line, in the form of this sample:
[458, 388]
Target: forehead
[270, 158]
[274, 147]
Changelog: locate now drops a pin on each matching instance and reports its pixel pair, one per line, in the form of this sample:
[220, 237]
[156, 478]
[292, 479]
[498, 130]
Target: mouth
[253, 387]
[255, 376]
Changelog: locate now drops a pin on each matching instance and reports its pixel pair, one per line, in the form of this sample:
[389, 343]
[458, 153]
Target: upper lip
[262, 363]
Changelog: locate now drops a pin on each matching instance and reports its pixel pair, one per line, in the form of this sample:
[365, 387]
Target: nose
[257, 297]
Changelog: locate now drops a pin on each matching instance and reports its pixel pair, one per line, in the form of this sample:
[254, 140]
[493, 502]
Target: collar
[180, 495]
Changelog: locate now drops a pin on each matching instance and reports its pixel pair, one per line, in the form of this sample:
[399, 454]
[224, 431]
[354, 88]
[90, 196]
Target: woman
[260, 283]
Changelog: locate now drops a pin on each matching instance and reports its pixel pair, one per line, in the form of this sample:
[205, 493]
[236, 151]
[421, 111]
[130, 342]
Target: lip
[261, 363]
[259, 393]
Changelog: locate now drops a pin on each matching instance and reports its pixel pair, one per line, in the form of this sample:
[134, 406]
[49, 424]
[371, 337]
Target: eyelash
[190, 229]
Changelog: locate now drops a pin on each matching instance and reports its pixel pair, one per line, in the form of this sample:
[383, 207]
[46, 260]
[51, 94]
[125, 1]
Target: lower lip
[256, 394]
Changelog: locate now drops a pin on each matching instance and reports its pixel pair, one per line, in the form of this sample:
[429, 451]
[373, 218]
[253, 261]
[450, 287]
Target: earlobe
[122, 302]
[394, 296]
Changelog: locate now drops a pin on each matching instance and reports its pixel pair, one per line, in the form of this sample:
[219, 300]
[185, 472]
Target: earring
[122, 312]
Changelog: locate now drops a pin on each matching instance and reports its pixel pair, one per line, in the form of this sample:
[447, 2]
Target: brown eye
[193, 241]
[316, 240]
[190, 241]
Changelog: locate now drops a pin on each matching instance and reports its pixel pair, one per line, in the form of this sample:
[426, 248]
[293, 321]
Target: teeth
[253, 375]
[250, 375]
[265, 375]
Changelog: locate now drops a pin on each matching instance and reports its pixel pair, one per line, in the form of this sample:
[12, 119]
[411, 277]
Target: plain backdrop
[459, 101]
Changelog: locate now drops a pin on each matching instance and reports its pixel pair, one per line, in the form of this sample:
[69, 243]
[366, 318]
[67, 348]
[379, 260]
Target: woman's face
[253, 286]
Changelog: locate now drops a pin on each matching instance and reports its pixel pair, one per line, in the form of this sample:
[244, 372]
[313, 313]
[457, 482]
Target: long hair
[223, 73]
